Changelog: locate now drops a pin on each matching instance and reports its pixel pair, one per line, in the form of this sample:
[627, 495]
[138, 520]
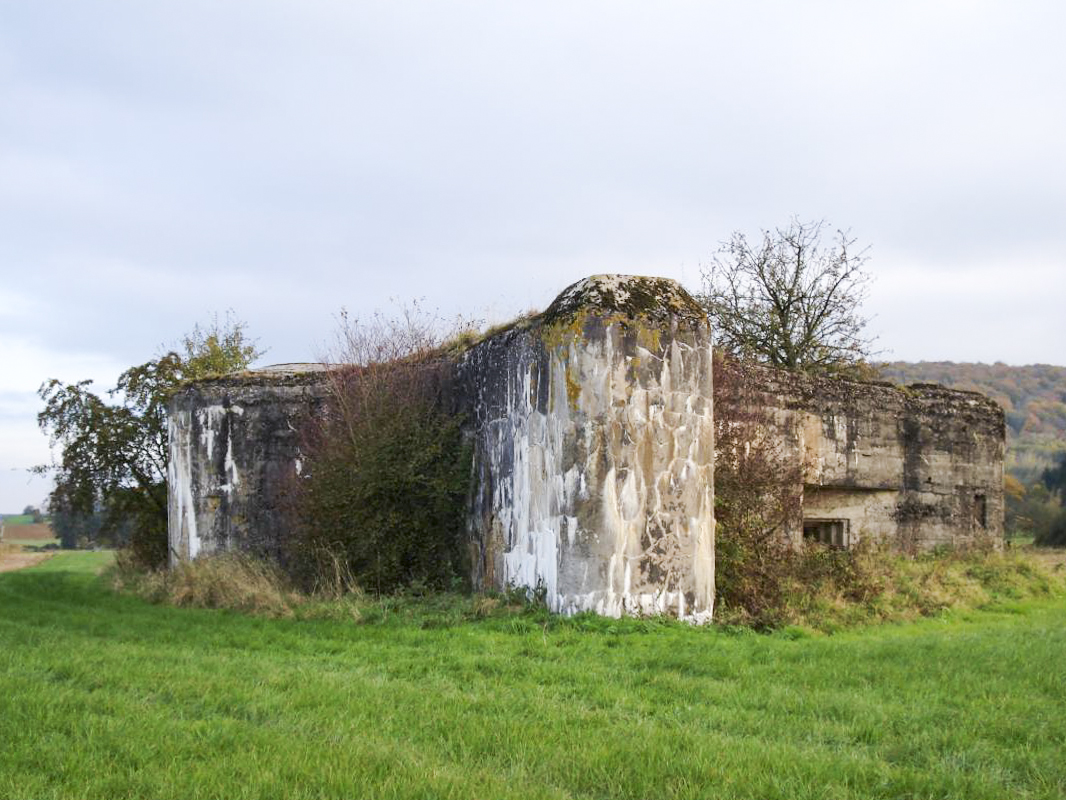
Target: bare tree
[789, 300]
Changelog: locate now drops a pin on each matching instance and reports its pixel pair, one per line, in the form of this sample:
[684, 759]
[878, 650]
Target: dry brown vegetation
[823, 590]
[13, 556]
[875, 584]
[238, 582]
[14, 553]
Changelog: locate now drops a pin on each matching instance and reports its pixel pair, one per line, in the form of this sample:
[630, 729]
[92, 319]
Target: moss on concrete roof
[633, 296]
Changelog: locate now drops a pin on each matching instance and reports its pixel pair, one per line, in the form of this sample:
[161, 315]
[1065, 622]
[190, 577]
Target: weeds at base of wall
[238, 582]
[876, 584]
[895, 588]
[250, 585]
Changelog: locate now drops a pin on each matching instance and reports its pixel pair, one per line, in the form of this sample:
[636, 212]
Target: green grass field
[18, 519]
[106, 696]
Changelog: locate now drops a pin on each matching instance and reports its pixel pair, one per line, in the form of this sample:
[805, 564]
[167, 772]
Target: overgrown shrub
[756, 496]
[385, 472]
[1034, 510]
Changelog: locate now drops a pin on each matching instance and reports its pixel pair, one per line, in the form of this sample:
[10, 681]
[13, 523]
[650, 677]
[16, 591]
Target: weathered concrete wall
[594, 452]
[233, 448]
[920, 466]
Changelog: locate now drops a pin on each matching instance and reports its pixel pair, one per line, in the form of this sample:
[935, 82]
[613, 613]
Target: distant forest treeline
[1033, 397]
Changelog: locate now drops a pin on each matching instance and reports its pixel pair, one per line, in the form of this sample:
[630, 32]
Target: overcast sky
[163, 161]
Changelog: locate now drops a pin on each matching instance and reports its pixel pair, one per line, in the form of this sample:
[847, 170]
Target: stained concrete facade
[592, 431]
[919, 466]
[594, 452]
[234, 449]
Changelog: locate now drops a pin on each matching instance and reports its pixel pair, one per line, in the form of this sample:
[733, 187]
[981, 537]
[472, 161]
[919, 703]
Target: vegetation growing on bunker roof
[631, 295]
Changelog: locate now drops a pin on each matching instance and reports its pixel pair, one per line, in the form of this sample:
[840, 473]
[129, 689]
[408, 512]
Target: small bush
[1054, 535]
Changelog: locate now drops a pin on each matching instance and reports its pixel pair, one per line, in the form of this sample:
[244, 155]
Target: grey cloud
[168, 160]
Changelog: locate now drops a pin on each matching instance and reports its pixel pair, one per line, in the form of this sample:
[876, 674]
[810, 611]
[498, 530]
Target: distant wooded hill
[1033, 397]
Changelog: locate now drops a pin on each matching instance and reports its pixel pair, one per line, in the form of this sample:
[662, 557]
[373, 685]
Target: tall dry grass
[240, 582]
[828, 591]
[825, 589]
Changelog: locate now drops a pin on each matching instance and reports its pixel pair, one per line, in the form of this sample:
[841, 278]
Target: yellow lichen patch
[650, 338]
[573, 388]
[561, 334]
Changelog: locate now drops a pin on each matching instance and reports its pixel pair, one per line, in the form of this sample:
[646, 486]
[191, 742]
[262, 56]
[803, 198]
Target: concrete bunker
[918, 466]
[591, 427]
[592, 431]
